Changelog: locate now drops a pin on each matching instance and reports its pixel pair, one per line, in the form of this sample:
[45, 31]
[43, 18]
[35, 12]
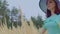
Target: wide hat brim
[43, 7]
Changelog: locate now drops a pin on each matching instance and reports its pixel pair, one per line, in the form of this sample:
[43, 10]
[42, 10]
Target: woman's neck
[52, 11]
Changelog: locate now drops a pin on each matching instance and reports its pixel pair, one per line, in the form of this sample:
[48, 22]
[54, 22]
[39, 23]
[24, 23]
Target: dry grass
[25, 29]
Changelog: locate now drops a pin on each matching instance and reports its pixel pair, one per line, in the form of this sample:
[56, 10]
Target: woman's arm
[42, 31]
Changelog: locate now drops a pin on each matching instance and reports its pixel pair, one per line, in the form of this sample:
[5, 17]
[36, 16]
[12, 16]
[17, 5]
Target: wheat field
[24, 29]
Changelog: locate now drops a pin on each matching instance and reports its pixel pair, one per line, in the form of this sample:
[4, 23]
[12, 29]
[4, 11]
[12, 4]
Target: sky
[29, 7]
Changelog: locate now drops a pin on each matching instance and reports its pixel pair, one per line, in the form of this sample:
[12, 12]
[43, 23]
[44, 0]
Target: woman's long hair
[57, 10]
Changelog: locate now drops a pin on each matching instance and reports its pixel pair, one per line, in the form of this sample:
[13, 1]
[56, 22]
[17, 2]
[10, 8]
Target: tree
[14, 13]
[3, 10]
[38, 22]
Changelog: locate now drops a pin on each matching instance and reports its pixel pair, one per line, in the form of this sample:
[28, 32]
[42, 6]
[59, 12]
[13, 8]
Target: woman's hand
[59, 25]
[42, 31]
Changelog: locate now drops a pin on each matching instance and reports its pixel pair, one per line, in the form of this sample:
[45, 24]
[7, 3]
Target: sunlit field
[9, 26]
[24, 29]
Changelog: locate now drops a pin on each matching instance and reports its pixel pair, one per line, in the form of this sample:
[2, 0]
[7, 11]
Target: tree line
[11, 18]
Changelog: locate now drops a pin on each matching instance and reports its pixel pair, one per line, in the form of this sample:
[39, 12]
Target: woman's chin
[49, 8]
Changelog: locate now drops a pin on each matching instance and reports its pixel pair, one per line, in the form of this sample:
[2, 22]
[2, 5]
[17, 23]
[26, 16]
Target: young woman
[52, 23]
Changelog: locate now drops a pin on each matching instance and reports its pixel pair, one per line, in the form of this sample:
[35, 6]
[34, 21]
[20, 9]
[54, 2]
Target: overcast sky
[29, 7]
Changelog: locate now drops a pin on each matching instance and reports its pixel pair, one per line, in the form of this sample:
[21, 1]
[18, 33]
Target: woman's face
[50, 4]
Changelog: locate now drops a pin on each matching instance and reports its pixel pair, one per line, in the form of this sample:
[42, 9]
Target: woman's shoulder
[58, 18]
[52, 18]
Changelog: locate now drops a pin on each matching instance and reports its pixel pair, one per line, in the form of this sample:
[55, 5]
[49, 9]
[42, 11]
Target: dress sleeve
[44, 26]
[46, 22]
